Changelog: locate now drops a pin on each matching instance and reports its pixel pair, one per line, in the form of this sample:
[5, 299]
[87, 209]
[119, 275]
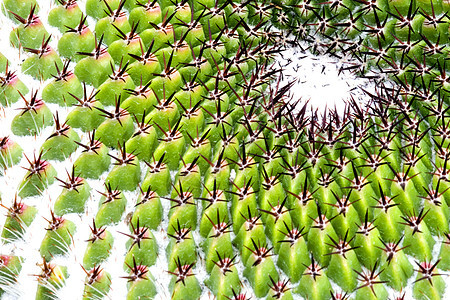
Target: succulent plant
[182, 116]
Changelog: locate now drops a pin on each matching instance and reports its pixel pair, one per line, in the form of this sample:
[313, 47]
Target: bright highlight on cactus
[161, 149]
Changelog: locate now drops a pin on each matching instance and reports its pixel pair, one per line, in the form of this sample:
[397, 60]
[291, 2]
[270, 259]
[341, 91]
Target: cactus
[184, 112]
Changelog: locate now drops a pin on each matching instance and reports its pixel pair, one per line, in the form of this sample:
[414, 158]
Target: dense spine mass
[173, 108]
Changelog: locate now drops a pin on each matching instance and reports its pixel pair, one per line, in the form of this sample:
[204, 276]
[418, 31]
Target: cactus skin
[98, 248]
[10, 153]
[111, 207]
[157, 177]
[143, 142]
[49, 283]
[259, 268]
[3, 63]
[11, 87]
[144, 15]
[61, 144]
[94, 154]
[63, 16]
[186, 287]
[58, 238]
[143, 249]
[298, 157]
[38, 178]
[73, 198]
[444, 264]
[21, 8]
[34, 117]
[140, 285]
[125, 176]
[94, 70]
[74, 41]
[181, 247]
[29, 35]
[293, 255]
[19, 217]
[148, 210]
[120, 123]
[224, 279]
[42, 65]
[87, 116]
[113, 87]
[96, 12]
[10, 267]
[58, 91]
[314, 285]
[107, 27]
[429, 283]
[97, 284]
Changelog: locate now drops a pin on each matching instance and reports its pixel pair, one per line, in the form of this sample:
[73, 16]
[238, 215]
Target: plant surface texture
[224, 149]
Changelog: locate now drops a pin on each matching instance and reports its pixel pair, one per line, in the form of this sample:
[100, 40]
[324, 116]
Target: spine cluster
[178, 102]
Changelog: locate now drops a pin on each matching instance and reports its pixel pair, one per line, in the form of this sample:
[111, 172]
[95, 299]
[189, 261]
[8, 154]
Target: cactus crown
[341, 247]
[277, 210]
[147, 196]
[339, 296]
[148, 5]
[391, 249]
[251, 222]
[68, 3]
[156, 166]
[128, 37]
[183, 198]
[93, 275]
[87, 101]
[238, 296]
[4, 142]
[115, 14]
[98, 51]
[292, 234]
[146, 57]
[118, 113]
[93, 144]
[121, 73]
[80, 28]
[366, 227]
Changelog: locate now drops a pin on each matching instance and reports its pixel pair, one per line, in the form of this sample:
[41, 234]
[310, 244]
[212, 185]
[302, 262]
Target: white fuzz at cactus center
[321, 81]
